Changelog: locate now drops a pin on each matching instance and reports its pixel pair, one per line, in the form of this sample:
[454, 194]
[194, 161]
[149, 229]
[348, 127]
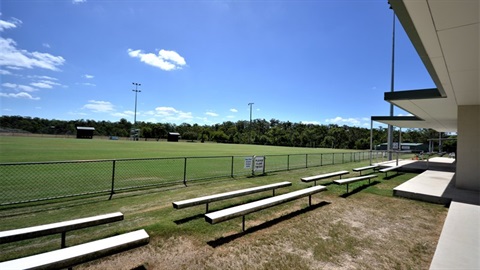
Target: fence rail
[39, 181]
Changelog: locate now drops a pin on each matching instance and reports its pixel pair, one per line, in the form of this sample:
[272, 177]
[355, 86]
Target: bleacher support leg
[64, 236]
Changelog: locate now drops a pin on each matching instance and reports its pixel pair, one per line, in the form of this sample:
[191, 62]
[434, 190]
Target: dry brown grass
[363, 231]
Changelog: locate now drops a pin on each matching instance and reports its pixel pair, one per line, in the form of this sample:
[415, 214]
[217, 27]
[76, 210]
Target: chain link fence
[39, 181]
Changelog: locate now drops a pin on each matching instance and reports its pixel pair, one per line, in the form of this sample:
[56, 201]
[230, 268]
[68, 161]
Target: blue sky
[323, 62]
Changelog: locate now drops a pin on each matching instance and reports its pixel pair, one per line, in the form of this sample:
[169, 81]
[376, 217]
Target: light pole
[135, 114]
[250, 104]
[392, 87]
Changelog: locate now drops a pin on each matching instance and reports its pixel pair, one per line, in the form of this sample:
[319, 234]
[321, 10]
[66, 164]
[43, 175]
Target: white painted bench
[387, 169]
[244, 209]
[227, 195]
[354, 179]
[323, 176]
[374, 167]
[59, 227]
[71, 256]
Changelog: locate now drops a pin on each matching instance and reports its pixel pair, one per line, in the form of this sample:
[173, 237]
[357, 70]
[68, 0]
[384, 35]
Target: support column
[468, 148]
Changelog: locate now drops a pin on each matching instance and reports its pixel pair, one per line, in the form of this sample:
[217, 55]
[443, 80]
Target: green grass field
[33, 149]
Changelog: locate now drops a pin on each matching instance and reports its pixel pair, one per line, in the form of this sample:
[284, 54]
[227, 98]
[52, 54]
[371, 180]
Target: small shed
[85, 132]
[173, 137]
[414, 147]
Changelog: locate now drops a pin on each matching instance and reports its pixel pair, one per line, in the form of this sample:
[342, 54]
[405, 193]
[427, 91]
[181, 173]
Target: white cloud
[88, 76]
[211, 114]
[78, 1]
[310, 122]
[345, 121]
[233, 110]
[44, 78]
[45, 84]
[172, 114]
[46, 45]
[5, 72]
[165, 60]
[42, 85]
[172, 56]
[26, 88]
[19, 95]
[15, 58]
[121, 115]
[19, 87]
[99, 106]
[89, 84]
[9, 85]
[9, 24]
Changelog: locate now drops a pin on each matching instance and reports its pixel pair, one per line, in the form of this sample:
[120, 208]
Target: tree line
[258, 131]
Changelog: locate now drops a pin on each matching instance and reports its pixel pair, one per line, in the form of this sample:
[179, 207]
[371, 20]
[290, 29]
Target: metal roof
[85, 128]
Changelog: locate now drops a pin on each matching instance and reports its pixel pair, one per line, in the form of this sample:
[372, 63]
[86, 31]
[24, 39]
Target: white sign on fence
[248, 163]
[259, 164]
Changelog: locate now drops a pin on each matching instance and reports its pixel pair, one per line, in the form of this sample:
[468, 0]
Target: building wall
[468, 148]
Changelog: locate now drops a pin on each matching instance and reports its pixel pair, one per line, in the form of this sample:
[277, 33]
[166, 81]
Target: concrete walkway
[459, 243]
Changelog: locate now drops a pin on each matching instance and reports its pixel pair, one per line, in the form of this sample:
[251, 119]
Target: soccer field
[35, 149]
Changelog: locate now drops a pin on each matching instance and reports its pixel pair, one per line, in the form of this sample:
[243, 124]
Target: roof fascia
[409, 27]
[413, 94]
[395, 118]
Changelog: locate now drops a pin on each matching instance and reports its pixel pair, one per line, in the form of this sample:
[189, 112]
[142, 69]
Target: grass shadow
[392, 176]
[188, 219]
[360, 188]
[225, 240]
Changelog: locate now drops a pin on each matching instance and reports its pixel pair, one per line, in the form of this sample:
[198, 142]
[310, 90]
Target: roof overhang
[400, 121]
[445, 35]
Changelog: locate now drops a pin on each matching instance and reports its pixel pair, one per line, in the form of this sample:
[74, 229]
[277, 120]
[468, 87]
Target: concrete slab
[459, 243]
[428, 186]
[417, 166]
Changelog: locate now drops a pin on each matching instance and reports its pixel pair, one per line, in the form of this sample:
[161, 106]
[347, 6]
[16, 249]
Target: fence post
[333, 158]
[288, 162]
[112, 191]
[343, 158]
[321, 159]
[306, 160]
[185, 172]
[264, 164]
[231, 172]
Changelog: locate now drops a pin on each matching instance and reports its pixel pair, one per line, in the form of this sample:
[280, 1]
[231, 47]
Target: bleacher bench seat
[387, 169]
[323, 176]
[374, 167]
[244, 209]
[227, 195]
[58, 227]
[354, 179]
[71, 256]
